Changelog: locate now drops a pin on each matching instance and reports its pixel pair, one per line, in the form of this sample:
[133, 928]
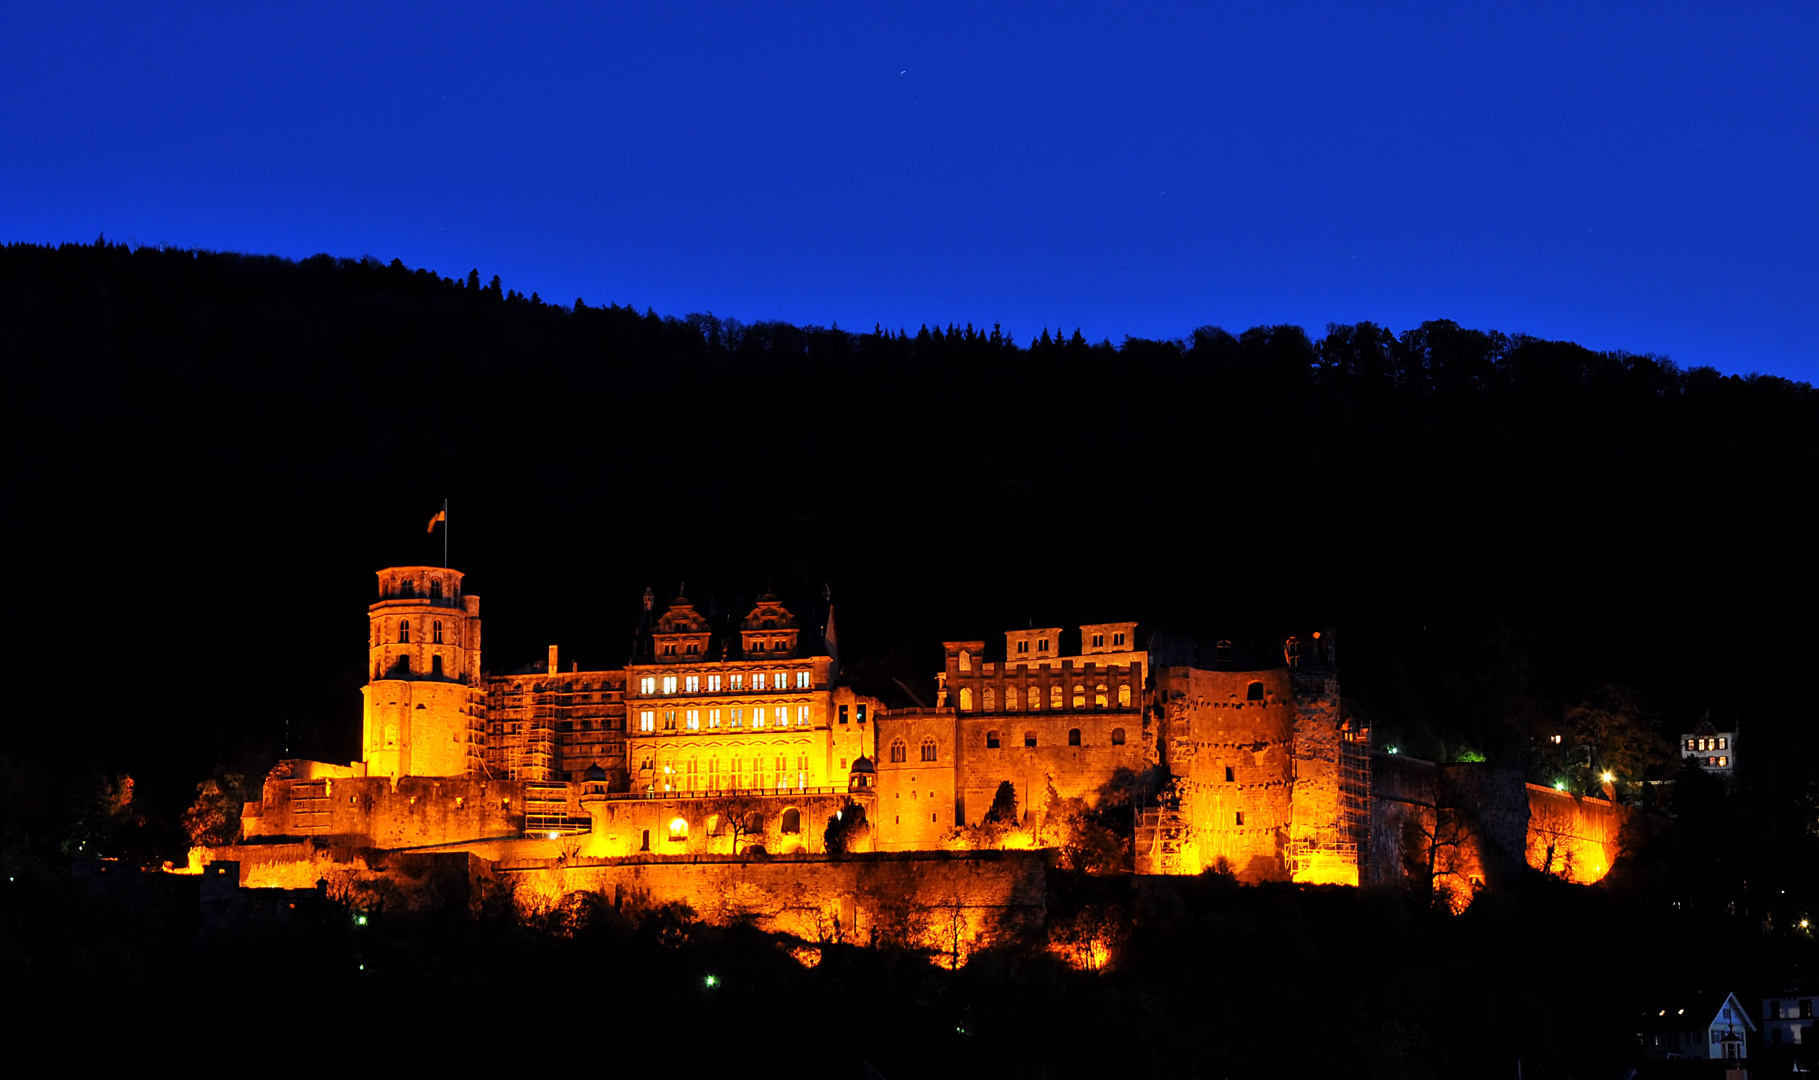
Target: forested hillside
[207, 455]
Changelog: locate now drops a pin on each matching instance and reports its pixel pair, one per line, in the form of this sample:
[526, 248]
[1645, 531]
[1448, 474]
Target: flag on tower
[441, 517]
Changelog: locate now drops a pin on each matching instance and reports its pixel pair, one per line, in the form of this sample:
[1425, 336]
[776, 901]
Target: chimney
[552, 668]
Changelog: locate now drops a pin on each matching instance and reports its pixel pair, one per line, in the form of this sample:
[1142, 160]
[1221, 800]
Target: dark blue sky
[1636, 176]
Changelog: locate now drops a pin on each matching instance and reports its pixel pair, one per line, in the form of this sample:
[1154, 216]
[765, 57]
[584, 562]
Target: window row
[1015, 699]
[994, 742]
[403, 665]
[1720, 743]
[715, 719]
[404, 632]
[900, 750]
[1099, 641]
[736, 682]
[693, 774]
[1718, 761]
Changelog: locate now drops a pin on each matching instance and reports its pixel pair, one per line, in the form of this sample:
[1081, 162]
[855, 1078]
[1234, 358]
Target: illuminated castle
[719, 743]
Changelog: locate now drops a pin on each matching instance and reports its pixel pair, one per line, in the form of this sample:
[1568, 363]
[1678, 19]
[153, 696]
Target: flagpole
[445, 534]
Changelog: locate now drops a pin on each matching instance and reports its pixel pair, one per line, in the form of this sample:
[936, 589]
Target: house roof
[1700, 1009]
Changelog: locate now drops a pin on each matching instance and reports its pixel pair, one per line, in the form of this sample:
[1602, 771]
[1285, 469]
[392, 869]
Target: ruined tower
[424, 706]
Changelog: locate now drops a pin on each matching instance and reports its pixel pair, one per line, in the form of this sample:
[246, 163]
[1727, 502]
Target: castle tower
[424, 706]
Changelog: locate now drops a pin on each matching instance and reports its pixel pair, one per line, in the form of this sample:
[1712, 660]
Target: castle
[714, 745]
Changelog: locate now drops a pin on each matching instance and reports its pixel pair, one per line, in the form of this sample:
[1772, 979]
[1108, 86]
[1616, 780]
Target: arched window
[435, 588]
[1010, 699]
[713, 825]
[678, 829]
[1254, 692]
[1222, 652]
[435, 630]
[754, 824]
[404, 631]
[966, 660]
[991, 740]
[688, 770]
[1054, 696]
[966, 698]
[990, 700]
[792, 821]
[1029, 739]
[1073, 736]
[899, 752]
[736, 772]
[1291, 651]
[928, 749]
[644, 844]
[1079, 697]
[1099, 699]
[1117, 736]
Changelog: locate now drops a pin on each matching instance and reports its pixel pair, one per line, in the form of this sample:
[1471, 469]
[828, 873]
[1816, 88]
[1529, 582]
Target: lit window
[1124, 695]
[694, 719]
[669, 719]
[802, 678]
[859, 712]
[1079, 697]
[802, 716]
[647, 720]
[404, 631]
[713, 718]
[781, 681]
[713, 684]
[691, 684]
[991, 740]
[1724, 761]
[736, 682]
[966, 698]
[758, 681]
[990, 702]
[1099, 699]
[966, 660]
[928, 749]
[669, 684]
[1723, 744]
[1073, 736]
[678, 829]
[899, 752]
[758, 717]
[1054, 696]
[738, 719]
[647, 685]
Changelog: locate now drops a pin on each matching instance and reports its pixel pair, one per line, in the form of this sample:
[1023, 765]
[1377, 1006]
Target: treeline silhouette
[208, 454]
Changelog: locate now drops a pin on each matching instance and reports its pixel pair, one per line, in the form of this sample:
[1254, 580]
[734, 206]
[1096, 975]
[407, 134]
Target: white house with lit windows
[1712, 750]
[1699, 1026]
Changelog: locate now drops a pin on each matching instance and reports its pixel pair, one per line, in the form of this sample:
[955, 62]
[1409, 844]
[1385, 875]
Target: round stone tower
[425, 706]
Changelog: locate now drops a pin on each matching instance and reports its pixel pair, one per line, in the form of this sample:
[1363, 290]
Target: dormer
[769, 632]
[681, 634]
[1029, 646]
[1110, 637]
